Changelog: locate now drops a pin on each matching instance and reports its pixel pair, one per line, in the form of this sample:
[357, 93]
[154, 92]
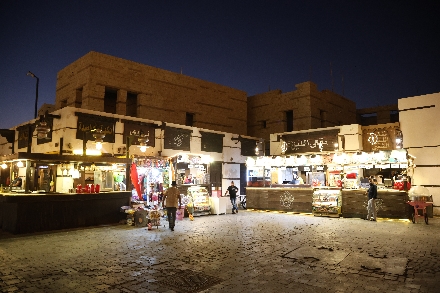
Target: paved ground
[248, 252]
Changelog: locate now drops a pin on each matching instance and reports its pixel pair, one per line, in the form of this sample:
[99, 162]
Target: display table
[219, 204]
[28, 213]
[289, 199]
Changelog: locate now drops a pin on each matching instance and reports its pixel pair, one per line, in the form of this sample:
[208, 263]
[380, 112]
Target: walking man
[170, 200]
[372, 195]
[232, 190]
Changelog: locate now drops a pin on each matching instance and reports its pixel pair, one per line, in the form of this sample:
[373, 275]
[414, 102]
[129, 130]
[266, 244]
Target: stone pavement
[251, 251]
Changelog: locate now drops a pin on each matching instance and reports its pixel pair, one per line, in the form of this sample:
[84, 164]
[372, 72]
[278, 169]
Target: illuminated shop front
[304, 163]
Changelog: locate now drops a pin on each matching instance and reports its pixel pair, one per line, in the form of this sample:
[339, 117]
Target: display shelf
[326, 202]
[200, 200]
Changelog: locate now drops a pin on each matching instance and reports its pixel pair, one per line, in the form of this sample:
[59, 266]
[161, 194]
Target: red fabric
[399, 185]
[351, 176]
[135, 179]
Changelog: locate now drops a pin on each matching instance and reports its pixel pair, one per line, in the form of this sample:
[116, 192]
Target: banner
[134, 129]
[87, 123]
[23, 135]
[212, 142]
[248, 146]
[177, 138]
[135, 180]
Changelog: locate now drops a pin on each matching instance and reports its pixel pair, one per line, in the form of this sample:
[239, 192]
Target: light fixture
[19, 164]
[283, 147]
[143, 140]
[99, 136]
[4, 166]
[42, 128]
[259, 147]
[36, 91]
[336, 145]
[399, 139]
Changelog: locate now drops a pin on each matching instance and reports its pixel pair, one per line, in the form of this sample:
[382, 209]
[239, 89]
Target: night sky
[372, 52]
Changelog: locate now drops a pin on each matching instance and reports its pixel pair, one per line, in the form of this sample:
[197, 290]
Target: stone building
[109, 84]
[301, 109]
[378, 115]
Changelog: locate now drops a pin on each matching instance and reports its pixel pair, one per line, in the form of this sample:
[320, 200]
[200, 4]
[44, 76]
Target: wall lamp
[237, 139]
[143, 140]
[42, 127]
[259, 147]
[399, 139]
[99, 136]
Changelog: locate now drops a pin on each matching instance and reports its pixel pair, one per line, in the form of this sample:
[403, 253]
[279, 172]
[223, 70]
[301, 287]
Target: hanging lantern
[42, 128]
[143, 140]
[99, 136]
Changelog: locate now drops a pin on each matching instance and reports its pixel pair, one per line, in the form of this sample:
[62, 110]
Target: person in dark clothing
[232, 190]
[372, 196]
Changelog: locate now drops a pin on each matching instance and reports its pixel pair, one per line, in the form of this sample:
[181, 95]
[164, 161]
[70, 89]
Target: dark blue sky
[382, 50]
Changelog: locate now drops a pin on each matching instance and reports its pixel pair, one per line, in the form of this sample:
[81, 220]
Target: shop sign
[362, 166]
[134, 129]
[378, 139]
[23, 135]
[306, 169]
[395, 166]
[248, 146]
[369, 166]
[190, 166]
[212, 142]
[319, 141]
[87, 123]
[177, 138]
[320, 168]
[403, 166]
[382, 166]
[295, 169]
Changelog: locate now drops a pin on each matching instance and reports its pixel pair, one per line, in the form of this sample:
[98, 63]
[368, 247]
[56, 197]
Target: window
[323, 117]
[63, 103]
[110, 98]
[78, 98]
[264, 124]
[394, 116]
[189, 119]
[289, 120]
[131, 105]
[368, 119]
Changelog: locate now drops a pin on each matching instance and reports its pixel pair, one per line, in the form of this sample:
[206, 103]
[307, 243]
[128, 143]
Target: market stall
[61, 192]
[29, 213]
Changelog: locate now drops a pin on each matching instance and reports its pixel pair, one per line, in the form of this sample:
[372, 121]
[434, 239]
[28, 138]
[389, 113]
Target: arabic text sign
[88, 123]
[320, 141]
